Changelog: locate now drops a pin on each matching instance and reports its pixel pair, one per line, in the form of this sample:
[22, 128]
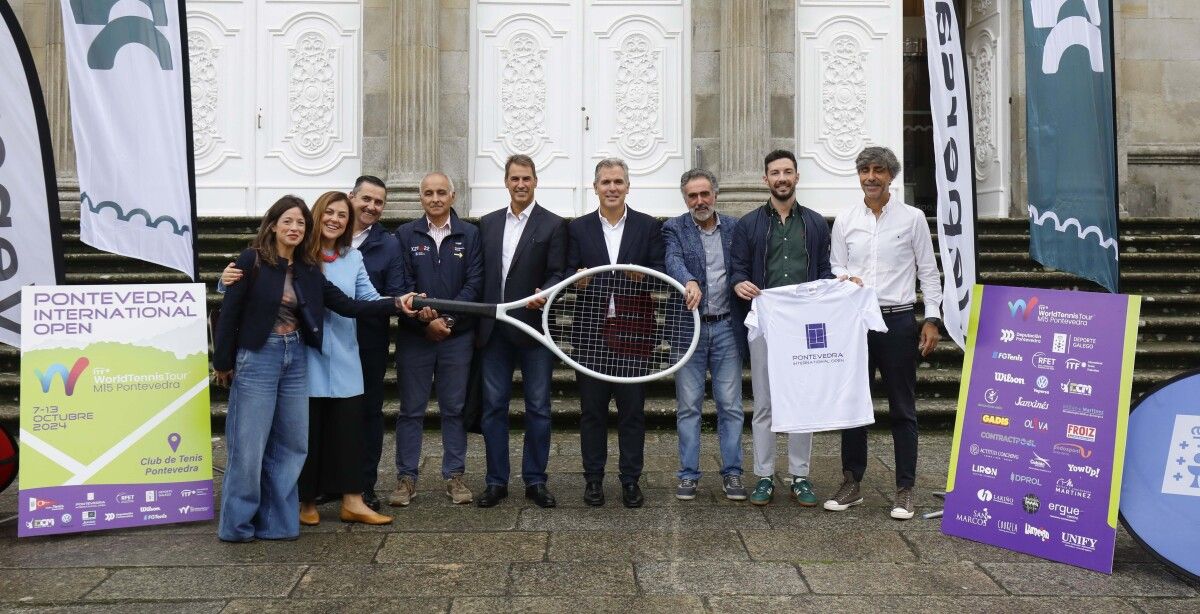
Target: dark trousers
[500, 356]
[335, 450]
[594, 396]
[374, 365]
[895, 355]
[421, 364]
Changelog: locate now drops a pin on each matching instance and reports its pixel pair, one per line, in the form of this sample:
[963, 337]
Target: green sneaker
[802, 492]
[764, 491]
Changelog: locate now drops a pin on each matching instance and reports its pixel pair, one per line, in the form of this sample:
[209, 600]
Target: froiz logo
[1022, 307]
[58, 370]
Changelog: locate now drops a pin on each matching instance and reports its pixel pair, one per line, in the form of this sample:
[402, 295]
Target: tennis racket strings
[621, 324]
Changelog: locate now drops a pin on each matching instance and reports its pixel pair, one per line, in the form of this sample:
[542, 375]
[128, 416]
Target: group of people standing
[303, 317]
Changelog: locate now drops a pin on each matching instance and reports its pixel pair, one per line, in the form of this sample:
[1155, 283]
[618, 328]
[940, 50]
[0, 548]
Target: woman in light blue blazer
[336, 446]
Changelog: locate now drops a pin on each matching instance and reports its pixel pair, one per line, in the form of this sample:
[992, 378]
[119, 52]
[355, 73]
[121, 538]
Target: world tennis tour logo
[815, 334]
[58, 370]
[1022, 307]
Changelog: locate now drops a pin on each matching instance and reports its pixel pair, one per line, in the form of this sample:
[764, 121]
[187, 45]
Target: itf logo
[68, 378]
[815, 333]
[1182, 473]
[1022, 307]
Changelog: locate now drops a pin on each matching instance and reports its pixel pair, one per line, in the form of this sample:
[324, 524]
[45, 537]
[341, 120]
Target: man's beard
[702, 216]
[775, 191]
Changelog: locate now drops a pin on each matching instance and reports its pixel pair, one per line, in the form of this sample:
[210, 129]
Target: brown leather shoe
[370, 517]
[310, 520]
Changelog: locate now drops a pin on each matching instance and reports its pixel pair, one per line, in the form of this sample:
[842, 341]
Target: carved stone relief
[843, 96]
[205, 91]
[638, 96]
[983, 75]
[523, 94]
[311, 94]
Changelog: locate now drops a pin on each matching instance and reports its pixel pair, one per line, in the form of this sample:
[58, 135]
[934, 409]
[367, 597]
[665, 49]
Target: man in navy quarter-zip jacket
[381, 257]
[778, 244]
[442, 259]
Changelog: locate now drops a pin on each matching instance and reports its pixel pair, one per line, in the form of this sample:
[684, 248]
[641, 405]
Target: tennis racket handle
[457, 307]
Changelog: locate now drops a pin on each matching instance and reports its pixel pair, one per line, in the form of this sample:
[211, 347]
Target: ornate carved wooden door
[276, 100]
[987, 45]
[569, 82]
[849, 95]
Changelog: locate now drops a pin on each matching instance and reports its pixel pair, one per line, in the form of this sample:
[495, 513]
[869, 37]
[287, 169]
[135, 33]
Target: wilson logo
[68, 377]
[1022, 307]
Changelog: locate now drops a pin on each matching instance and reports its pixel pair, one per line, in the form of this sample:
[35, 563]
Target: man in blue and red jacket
[442, 259]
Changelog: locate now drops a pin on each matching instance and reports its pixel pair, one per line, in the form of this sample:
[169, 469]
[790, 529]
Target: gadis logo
[58, 370]
[1022, 307]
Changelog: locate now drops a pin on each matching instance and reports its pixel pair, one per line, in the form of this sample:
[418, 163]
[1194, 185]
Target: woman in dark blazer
[265, 322]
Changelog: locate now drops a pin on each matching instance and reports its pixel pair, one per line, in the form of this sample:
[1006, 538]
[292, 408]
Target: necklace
[329, 257]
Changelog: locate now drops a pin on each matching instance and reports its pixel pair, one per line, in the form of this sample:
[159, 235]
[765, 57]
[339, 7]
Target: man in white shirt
[886, 245]
[612, 234]
[524, 250]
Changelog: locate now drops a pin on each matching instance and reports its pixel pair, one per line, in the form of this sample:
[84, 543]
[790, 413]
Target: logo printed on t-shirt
[815, 334]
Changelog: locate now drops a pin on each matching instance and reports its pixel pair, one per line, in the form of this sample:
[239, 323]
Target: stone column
[414, 115]
[58, 111]
[745, 97]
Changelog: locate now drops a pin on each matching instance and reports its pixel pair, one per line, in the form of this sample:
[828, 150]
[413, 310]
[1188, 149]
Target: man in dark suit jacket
[524, 251]
[613, 234]
[381, 256]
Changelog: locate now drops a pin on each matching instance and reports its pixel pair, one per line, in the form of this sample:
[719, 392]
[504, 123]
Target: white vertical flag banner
[955, 163]
[30, 235]
[126, 65]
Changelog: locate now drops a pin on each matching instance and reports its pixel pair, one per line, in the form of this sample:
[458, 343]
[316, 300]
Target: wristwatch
[449, 320]
[933, 321]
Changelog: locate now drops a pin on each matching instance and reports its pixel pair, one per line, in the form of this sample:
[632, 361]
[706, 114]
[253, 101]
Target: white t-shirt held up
[816, 337]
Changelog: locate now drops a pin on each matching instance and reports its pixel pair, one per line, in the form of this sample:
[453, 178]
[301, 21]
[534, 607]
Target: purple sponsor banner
[96, 507]
[1041, 423]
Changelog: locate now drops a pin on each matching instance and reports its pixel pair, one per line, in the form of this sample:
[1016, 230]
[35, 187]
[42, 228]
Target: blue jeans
[500, 355]
[267, 435]
[717, 352]
[419, 363]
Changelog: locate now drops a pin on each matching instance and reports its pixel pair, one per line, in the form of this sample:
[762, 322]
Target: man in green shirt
[779, 244]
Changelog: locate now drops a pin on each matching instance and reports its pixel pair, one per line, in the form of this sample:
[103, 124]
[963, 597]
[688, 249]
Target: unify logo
[1078, 542]
[815, 335]
[58, 370]
[1022, 307]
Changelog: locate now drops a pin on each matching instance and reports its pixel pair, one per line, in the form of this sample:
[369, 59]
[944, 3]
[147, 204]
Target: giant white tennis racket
[620, 323]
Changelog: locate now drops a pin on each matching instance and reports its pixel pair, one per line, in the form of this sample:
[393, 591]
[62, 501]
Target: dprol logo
[58, 370]
[1022, 307]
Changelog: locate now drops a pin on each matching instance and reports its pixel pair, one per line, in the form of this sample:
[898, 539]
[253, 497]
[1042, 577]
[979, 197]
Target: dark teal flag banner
[1071, 138]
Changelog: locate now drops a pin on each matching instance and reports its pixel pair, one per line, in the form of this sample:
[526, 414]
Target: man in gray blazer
[697, 255]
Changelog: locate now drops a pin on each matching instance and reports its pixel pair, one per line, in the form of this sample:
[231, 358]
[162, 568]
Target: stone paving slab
[573, 578]
[719, 578]
[692, 545]
[431, 605]
[898, 579]
[42, 585]
[408, 580]
[198, 582]
[461, 547]
[705, 555]
[1128, 580]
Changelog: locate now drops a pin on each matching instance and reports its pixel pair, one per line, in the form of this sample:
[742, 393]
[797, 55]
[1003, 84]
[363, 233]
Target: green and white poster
[115, 417]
